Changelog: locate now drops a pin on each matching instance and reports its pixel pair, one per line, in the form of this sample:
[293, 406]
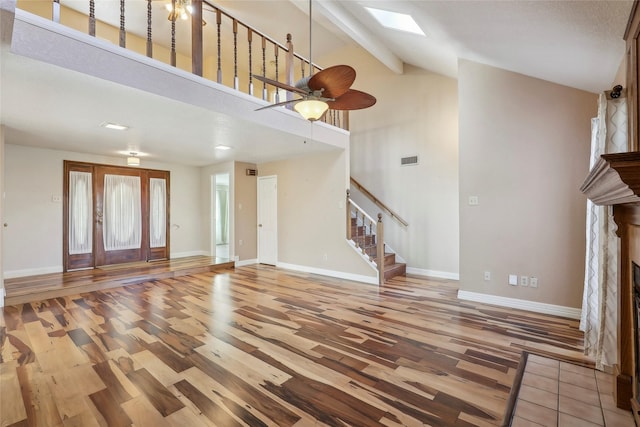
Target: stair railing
[379, 203]
[223, 48]
[370, 243]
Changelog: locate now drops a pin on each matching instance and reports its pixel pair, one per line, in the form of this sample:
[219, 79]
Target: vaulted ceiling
[573, 43]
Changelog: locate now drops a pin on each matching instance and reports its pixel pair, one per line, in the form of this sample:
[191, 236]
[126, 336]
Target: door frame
[90, 260]
[264, 178]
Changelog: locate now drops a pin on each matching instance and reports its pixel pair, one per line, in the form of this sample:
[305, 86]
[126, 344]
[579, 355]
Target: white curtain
[158, 213]
[80, 213]
[599, 302]
[222, 215]
[122, 227]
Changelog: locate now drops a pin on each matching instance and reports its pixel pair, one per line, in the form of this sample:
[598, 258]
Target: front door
[268, 220]
[114, 215]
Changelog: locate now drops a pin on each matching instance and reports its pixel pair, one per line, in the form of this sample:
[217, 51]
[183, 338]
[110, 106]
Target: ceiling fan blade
[352, 100]
[280, 85]
[334, 80]
[278, 104]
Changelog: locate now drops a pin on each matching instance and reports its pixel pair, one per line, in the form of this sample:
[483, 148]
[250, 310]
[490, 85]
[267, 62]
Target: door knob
[259, 225]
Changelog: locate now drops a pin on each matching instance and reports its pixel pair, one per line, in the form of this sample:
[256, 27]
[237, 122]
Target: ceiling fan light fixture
[311, 109]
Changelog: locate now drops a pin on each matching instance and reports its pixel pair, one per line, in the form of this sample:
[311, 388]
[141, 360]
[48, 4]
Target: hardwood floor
[24, 289]
[259, 346]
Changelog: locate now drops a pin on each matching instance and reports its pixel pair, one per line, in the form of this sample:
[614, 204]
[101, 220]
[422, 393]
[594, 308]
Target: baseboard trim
[373, 280]
[246, 262]
[538, 307]
[433, 273]
[188, 254]
[31, 272]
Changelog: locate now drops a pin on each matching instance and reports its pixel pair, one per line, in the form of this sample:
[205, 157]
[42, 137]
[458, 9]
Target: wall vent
[252, 172]
[409, 161]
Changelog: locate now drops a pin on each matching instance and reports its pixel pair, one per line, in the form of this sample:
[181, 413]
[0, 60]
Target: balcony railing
[207, 41]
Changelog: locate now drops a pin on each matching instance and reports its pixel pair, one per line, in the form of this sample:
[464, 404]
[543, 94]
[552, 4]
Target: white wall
[33, 238]
[312, 215]
[416, 114]
[524, 151]
[2, 221]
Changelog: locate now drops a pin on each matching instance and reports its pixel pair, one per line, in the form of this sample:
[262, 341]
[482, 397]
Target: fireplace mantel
[615, 181]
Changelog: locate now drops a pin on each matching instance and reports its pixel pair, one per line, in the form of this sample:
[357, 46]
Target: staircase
[365, 240]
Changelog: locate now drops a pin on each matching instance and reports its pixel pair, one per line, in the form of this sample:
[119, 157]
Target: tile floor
[559, 394]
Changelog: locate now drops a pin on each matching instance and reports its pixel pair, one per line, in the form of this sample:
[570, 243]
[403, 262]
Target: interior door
[268, 220]
[120, 231]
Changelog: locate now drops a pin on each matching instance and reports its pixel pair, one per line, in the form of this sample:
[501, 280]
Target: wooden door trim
[145, 175]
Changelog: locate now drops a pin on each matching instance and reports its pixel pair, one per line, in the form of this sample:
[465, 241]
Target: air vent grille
[252, 172]
[409, 161]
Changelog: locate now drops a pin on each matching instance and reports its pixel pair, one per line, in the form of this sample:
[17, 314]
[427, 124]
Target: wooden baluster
[264, 67]
[149, 41]
[55, 11]
[345, 120]
[123, 33]
[276, 55]
[92, 17]
[361, 234]
[196, 37]
[288, 66]
[173, 34]
[250, 39]
[235, 54]
[302, 62]
[348, 209]
[380, 249]
[218, 24]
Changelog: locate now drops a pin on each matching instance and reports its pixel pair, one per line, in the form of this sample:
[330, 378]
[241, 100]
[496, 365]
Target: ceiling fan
[328, 88]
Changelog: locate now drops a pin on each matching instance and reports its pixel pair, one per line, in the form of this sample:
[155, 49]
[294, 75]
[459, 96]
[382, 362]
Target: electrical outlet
[524, 281]
[533, 282]
[56, 199]
[240, 242]
[487, 275]
[473, 201]
[513, 279]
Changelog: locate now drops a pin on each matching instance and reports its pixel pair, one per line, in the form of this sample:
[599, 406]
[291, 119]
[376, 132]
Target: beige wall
[524, 151]
[246, 212]
[2, 171]
[33, 239]
[416, 114]
[311, 213]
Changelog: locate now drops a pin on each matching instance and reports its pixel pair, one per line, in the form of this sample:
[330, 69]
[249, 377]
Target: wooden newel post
[380, 249]
[289, 69]
[348, 210]
[196, 38]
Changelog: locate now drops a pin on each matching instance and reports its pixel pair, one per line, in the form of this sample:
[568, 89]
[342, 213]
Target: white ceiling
[574, 43]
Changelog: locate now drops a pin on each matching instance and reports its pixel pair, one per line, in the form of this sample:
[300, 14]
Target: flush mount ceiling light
[395, 20]
[223, 147]
[133, 159]
[114, 126]
[311, 109]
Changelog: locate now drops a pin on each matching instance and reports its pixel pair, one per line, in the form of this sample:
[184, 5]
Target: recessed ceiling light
[113, 126]
[396, 21]
[223, 147]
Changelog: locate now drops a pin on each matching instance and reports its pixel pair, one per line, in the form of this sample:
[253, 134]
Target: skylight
[396, 21]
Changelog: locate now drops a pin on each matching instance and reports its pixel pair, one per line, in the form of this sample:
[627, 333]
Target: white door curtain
[599, 318]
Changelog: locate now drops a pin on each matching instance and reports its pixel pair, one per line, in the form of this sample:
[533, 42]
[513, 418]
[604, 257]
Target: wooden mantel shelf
[614, 179]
